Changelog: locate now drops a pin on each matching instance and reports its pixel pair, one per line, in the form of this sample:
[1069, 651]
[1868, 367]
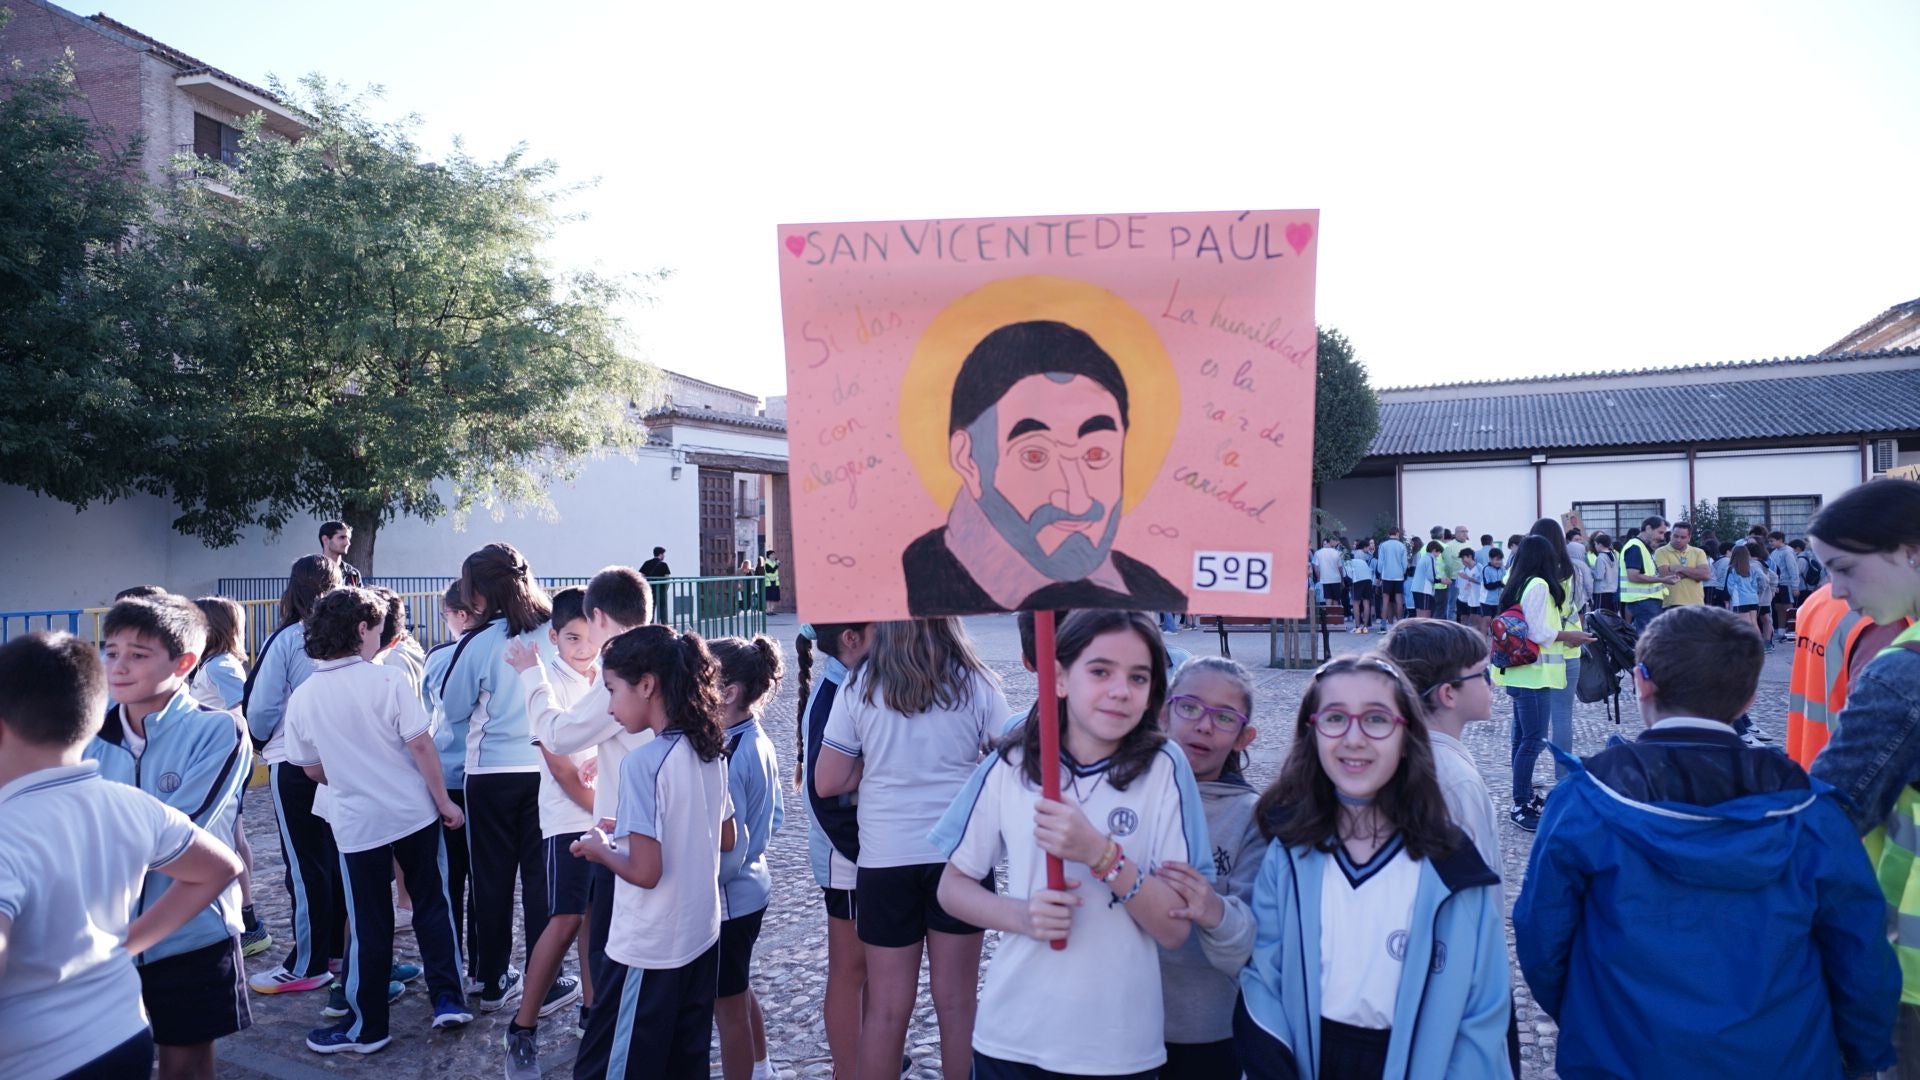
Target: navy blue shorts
[567, 875]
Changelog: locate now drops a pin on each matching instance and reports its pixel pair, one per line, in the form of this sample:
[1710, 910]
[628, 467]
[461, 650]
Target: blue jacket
[753, 782]
[1675, 931]
[833, 823]
[482, 690]
[284, 665]
[197, 760]
[449, 734]
[1450, 1018]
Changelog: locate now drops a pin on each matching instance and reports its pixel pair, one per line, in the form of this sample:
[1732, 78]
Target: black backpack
[1604, 659]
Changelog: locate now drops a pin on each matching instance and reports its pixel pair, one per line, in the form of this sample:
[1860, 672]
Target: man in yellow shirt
[1689, 562]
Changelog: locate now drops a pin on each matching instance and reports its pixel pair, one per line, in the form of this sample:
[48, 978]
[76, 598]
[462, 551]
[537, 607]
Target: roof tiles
[1739, 408]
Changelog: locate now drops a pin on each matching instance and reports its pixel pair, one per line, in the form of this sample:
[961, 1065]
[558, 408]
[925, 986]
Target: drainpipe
[1539, 486]
[1693, 498]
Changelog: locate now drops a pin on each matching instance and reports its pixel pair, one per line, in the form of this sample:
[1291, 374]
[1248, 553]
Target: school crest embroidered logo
[170, 782]
[1122, 821]
[1397, 944]
[1222, 861]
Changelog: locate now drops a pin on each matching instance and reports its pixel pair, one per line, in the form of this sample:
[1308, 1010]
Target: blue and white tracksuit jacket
[1451, 1015]
[196, 760]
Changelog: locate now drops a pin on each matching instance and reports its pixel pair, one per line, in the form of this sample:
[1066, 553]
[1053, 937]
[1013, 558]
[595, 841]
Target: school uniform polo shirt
[354, 719]
[74, 850]
[914, 765]
[587, 725]
[1107, 979]
[669, 794]
[559, 814]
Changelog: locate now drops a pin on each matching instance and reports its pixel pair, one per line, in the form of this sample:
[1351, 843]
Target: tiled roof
[1501, 385]
[187, 64]
[1898, 325]
[715, 416]
[1742, 406]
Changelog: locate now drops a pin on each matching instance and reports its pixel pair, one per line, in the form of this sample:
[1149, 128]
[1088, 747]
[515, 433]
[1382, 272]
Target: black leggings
[503, 833]
[312, 872]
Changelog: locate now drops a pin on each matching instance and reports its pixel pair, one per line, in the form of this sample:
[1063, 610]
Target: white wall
[1565, 482]
[1826, 472]
[616, 510]
[1496, 497]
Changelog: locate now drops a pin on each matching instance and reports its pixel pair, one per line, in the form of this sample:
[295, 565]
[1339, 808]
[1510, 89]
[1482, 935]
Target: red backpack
[1511, 646]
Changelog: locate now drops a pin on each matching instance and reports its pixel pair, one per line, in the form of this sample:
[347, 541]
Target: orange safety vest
[1825, 632]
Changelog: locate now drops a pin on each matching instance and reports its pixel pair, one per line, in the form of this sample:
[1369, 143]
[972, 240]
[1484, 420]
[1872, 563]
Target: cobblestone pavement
[789, 967]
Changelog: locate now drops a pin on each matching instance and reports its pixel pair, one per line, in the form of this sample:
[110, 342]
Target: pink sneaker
[278, 980]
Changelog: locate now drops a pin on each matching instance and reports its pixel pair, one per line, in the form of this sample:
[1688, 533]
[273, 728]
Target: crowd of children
[1702, 894]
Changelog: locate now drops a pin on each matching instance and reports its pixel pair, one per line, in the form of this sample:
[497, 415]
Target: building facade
[1767, 440]
[139, 88]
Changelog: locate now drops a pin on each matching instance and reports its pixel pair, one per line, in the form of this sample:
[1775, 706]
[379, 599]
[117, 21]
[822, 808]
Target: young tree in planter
[370, 335]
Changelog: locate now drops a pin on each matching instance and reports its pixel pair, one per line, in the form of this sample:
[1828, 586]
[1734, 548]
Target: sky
[1516, 190]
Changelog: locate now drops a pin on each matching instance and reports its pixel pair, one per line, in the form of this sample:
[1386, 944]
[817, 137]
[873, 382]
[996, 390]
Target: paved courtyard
[790, 962]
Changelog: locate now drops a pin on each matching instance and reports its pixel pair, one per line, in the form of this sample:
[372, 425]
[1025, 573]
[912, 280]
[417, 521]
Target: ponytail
[803, 655]
[755, 665]
[689, 680]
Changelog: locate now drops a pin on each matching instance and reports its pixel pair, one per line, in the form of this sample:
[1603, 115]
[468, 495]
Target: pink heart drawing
[798, 244]
[1299, 234]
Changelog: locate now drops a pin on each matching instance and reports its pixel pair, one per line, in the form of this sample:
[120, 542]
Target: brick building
[138, 88]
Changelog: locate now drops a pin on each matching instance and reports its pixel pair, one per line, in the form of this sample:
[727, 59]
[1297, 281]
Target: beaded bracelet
[1106, 859]
[1113, 872]
[1139, 877]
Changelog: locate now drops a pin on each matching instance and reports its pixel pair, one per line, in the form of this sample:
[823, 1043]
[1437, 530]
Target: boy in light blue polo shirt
[195, 759]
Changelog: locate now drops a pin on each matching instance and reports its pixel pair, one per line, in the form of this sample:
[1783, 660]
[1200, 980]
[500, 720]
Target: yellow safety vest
[1635, 591]
[773, 574]
[1550, 671]
[1892, 848]
[1569, 619]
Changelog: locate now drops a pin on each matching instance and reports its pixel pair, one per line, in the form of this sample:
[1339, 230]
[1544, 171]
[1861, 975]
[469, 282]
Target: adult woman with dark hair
[306, 842]
[1869, 540]
[1534, 585]
[1577, 581]
[503, 765]
[1366, 884]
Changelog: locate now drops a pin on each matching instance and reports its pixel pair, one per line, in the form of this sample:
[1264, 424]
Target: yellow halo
[926, 392]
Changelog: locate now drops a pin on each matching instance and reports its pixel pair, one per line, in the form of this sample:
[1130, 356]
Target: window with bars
[1787, 513]
[1617, 519]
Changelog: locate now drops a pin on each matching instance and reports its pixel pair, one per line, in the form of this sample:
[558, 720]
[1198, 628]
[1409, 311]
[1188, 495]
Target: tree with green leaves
[1346, 412]
[362, 334]
[71, 425]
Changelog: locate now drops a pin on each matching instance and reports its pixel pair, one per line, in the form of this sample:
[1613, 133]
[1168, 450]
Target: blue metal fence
[709, 606]
[270, 588]
[26, 622]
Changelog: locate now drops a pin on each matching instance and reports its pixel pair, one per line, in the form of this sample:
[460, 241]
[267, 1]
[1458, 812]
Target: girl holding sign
[1378, 947]
[1121, 815]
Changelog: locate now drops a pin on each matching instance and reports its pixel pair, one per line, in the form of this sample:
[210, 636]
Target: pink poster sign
[1107, 411]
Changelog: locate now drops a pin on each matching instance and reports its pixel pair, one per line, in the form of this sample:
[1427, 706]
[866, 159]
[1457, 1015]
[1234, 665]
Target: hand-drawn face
[1044, 465]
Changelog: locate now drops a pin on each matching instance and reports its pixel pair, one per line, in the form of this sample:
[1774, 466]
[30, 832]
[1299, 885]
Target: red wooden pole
[1048, 717]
